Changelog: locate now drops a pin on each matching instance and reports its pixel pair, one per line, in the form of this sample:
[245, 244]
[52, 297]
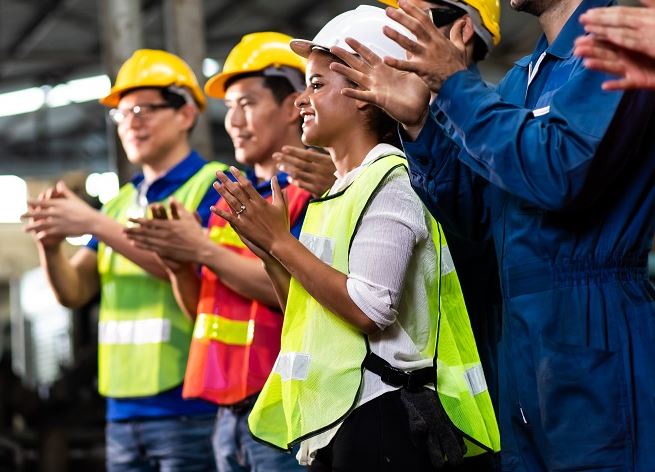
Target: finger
[175, 214]
[406, 66]
[604, 65]
[158, 211]
[245, 186]
[308, 155]
[279, 199]
[231, 200]
[619, 36]
[229, 217]
[614, 16]
[63, 190]
[196, 215]
[349, 58]
[363, 95]
[351, 74]
[367, 54]
[403, 41]
[618, 84]
[411, 17]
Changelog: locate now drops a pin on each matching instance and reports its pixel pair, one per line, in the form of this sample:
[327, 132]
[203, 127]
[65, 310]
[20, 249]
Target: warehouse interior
[57, 57]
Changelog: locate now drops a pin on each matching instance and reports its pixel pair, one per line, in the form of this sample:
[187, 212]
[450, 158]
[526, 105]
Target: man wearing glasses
[143, 336]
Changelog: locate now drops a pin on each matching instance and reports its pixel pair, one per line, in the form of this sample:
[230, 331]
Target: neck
[154, 170]
[350, 151]
[555, 17]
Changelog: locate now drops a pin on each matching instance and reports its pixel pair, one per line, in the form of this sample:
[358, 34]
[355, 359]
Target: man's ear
[189, 114]
[468, 31]
[288, 107]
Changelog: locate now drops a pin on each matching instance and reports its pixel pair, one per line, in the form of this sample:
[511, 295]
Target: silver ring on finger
[241, 209]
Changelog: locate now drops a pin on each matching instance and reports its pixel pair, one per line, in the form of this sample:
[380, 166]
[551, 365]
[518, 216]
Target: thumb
[63, 190]
[648, 3]
[279, 199]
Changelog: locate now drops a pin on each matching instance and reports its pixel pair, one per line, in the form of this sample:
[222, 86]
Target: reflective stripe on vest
[143, 336]
[225, 330]
[317, 377]
[156, 330]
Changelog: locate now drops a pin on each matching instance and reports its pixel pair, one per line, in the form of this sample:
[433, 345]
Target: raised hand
[402, 95]
[622, 42]
[308, 169]
[431, 56]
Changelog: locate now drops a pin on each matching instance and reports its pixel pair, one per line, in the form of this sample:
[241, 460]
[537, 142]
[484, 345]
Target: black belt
[391, 375]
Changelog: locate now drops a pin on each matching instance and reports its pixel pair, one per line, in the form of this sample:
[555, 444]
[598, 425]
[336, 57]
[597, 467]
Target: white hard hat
[364, 24]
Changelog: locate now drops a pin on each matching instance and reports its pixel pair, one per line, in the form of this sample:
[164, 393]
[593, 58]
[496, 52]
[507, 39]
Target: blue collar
[173, 179]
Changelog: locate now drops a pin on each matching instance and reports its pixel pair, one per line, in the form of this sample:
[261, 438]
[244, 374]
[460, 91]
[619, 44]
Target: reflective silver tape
[475, 379]
[292, 365]
[150, 331]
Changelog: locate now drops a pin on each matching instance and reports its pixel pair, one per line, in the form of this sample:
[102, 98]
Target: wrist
[279, 246]
[414, 129]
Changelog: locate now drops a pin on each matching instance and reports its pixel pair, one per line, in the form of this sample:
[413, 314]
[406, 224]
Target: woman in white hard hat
[368, 290]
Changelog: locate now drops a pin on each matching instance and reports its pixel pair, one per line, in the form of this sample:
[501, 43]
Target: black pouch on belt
[428, 422]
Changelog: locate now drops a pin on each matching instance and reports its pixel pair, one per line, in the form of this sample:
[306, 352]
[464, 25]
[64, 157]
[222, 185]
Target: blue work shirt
[560, 175]
[168, 403]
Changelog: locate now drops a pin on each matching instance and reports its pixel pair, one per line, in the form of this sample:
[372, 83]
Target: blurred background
[57, 57]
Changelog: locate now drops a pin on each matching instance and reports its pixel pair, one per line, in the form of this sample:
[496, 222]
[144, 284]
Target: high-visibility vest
[143, 336]
[235, 340]
[318, 374]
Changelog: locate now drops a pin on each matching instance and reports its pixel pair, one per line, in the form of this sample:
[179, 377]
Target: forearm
[326, 284]
[111, 233]
[280, 278]
[186, 287]
[245, 275]
[72, 285]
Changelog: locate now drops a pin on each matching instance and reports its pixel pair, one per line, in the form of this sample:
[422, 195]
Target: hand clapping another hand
[260, 224]
[622, 42]
[58, 213]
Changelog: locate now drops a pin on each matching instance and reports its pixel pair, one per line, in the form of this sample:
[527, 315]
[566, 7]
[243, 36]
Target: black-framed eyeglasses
[144, 110]
[445, 14]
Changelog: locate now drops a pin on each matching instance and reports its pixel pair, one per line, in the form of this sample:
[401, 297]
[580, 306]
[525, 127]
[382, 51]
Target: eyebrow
[313, 76]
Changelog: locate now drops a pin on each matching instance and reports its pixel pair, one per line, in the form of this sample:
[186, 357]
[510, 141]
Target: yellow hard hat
[154, 68]
[489, 11]
[256, 52]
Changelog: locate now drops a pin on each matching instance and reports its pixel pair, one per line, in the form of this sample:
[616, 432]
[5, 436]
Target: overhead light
[74, 91]
[21, 101]
[210, 67]
[104, 186]
[13, 194]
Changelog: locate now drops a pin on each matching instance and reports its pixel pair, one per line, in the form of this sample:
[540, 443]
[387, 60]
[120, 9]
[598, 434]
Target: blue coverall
[561, 176]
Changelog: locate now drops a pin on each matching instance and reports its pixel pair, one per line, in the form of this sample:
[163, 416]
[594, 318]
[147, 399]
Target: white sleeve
[392, 225]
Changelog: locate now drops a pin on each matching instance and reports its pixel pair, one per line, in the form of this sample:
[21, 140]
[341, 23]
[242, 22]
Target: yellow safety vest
[317, 376]
[143, 335]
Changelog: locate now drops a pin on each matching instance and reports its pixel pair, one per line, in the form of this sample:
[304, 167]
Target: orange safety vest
[235, 339]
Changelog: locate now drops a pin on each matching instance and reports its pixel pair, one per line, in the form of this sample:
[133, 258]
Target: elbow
[369, 327]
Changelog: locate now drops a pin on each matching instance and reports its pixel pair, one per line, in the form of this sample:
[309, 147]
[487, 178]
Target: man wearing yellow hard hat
[238, 318]
[143, 336]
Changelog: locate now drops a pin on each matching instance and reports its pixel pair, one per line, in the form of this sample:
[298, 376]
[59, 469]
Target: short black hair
[280, 87]
[445, 14]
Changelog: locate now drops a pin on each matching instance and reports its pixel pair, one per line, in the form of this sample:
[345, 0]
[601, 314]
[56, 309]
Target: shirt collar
[378, 151]
[180, 172]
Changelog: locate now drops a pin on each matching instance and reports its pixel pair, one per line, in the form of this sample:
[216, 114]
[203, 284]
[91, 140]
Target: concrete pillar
[184, 26]
[122, 33]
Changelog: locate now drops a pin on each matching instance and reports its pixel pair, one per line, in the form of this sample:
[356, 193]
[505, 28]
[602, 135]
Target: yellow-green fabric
[143, 337]
[318, 373]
